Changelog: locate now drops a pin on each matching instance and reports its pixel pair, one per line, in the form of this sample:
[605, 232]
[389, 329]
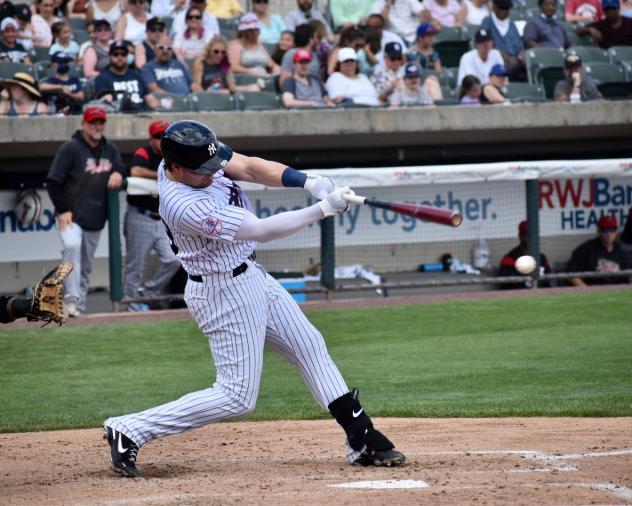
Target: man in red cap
[304, 89]
[508, 262]
[602, 254]
[144, 230]
[83, 169]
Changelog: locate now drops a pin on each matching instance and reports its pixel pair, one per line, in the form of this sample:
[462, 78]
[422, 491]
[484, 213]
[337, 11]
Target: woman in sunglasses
[191, 43]
[246, 53]
[212, 71]
[133, 23]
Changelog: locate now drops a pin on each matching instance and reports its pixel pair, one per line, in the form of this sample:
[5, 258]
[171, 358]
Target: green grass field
[550, 355]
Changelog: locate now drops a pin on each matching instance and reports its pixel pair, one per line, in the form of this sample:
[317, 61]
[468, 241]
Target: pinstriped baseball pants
[239, 315]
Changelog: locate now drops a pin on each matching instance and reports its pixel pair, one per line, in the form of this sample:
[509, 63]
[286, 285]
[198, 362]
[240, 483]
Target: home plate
[381, 484]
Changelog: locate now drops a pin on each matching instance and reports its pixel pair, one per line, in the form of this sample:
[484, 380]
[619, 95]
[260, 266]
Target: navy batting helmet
[194, 146]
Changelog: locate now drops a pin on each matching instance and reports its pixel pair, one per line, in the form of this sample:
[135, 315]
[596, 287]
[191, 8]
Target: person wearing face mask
[67, 89]
[83, 169]
[544, 30]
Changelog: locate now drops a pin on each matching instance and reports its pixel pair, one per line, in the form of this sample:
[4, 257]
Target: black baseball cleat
[380, 458]
[123, 452]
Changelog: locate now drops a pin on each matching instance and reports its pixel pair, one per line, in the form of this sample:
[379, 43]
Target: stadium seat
[581, 40]
[610, 79]
[541, 58]
[448, 92]
[450, 75]
[447, 101]
[228, 27]
[517, 15]
[589, 54]
[80, 36]
[270, 47]
[244, 79]
[622, 55]
[209, 101]
[172, 102]
[77, 23]
[168, 22]
[39, 54]
[524, 92]
[451, 45]
[7, 69]
[258, 100]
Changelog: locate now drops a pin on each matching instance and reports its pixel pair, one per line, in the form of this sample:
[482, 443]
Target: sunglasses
[259, 1]
[608, 230]
[165, 48]
[219, 51]
[156, 29]
[194, 17]
[119, 54]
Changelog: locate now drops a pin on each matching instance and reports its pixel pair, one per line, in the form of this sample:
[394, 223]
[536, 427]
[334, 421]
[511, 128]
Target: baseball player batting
[235, 302]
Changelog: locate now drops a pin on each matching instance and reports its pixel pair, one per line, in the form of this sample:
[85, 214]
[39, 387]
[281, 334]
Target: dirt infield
[570, 461]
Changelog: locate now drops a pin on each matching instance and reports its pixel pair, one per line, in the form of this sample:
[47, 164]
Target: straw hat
[25, 80]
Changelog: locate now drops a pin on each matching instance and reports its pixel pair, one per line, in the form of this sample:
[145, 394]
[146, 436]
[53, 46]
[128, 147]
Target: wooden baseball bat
[434, 214]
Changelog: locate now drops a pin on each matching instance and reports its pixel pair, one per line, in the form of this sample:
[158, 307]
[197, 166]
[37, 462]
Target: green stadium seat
[77, 23]
[610, 78]
[209, 101]
[622, 55]
[450, 75]
[581, 40]
[245, 79]
[542, 58]
[447, 101]
[228, 27]
[258, 100]
[524, 92]
[172, 102]
[168, 20]
[39, 54]
[7, 69]
[451, 45]
[590, 54]
[448, 92]
[80, 36]
[270, 47]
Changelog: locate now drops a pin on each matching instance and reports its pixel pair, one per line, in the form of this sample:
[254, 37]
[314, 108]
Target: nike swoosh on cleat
[356, 415]
[120, 446]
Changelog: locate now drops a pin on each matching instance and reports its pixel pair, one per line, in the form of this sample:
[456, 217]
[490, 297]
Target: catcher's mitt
[47, 303]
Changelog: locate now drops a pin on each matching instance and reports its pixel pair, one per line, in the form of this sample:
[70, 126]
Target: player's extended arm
[284, 224]
[258, 170]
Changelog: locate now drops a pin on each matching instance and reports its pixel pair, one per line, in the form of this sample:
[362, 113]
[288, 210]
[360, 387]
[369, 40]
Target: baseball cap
[393, 49]
[248, 21]
[301, 55]
[522, 227]
[347, 53]
[498, 70]
[411, 70]
[425, 29]
[572, 60]
[503, 4]
[607, 222]
[93, 113]
[9, 21]
[157, 128]
[610, 4]
[154, 22]
[119, 45]
[102, 23]
[23, 12]
[482, 35]
[61, 57]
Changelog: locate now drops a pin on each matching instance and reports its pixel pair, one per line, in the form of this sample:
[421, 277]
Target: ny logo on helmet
[212, 149]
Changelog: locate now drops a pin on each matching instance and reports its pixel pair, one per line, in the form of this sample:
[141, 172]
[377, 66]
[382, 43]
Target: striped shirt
[202, 223]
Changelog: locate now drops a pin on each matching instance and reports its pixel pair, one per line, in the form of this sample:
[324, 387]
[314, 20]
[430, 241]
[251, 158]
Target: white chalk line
[532, 454]
[382, 484]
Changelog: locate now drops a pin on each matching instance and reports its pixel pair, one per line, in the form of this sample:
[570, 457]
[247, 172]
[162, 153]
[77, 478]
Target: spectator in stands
[92, 34]
[602, 254]
[626, 239]
[347, 85]
[350, 36]
[614, 30]
[377, 22]
[61, 9]
[66, 90]
[475, 11]
[470, 91]
[121, 84]
[212, 72]
[443, 13]
[422, 51]
[167, 8]
[144, 230]
[109, 10]
[224, 9]
[286, 42]
[42, 23]
[304, 38]
[96, 57]
[304, 89]
[21, 97]
[508, 262]
[271, 26]
[166, 74]
[133, 23]
[584, 11]
[304, 14]
[323, 47]
[82, 170]
[387, 76]
[576, 86]
[190, 44]
[410, 91]
[506, 38]
[25, 31]
[209, 22]
[14, 51]
[367, 56]
[480, 60]
[401, 16]
[246, 54]
[544, 30]
[494, 90]
[62, 40]
[344, 13]
[146, 50]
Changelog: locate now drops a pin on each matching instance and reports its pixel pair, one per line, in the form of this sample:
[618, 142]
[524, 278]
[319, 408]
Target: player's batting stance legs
[237, 305]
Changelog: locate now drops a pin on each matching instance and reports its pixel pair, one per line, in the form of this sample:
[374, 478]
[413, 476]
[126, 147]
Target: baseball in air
[525, 264]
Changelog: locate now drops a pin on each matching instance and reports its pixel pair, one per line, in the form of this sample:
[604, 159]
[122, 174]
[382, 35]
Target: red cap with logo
[301, 55]
[93, 113]
[608, 221]
[158, 127]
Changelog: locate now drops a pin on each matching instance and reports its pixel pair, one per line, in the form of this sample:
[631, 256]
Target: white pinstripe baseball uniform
[237, 305]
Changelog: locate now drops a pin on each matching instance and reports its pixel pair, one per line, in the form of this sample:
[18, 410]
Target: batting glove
[335, 201]
[319, 186]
